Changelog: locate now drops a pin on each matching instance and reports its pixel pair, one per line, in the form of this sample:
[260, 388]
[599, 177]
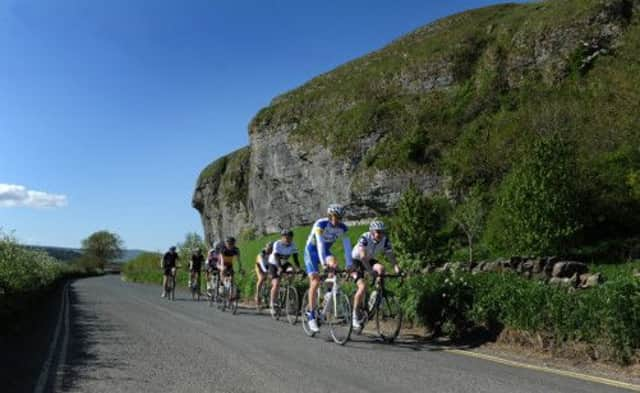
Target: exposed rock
[568, 269]
[590, 280]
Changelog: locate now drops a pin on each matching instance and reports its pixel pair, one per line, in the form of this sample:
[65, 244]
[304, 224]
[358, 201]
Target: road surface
[124, 338]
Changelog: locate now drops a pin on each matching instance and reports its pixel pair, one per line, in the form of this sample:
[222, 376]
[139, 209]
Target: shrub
[417, 225]
[536, 210]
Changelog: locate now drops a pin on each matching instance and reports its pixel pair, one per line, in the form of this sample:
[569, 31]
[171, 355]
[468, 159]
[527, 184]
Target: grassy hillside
[494, 90]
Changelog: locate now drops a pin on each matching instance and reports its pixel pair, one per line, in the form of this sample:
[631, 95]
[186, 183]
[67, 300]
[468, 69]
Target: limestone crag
[358, 135]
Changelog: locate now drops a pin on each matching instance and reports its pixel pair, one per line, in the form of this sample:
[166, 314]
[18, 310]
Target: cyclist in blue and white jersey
[370, 244]
[317, 251]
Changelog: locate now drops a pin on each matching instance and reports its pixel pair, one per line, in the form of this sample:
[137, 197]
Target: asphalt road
[125, 338]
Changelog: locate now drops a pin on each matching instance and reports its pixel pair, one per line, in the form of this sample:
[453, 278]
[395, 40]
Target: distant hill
[67, 254]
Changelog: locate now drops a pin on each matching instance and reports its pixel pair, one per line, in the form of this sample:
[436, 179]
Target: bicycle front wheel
[234, 296]
[388, 318]
[339, 318]
[292, 305]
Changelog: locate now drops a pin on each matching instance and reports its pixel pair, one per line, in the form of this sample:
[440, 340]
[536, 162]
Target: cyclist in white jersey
[317, 251]
[278, 262]
[370, 244]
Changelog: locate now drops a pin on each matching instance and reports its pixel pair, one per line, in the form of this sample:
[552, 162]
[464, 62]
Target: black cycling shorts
[167, 270]
[359, 269]
[273, 270]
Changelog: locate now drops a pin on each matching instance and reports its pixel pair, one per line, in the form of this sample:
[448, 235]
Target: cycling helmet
[376, 225]
[172, 248]
[230, 239]
[268, 245]
[286, 232]
[336, 210]
[218, 246]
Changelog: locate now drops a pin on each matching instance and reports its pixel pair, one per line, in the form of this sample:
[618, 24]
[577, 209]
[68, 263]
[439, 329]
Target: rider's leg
[260, 281]
[275, 285]
[164, 285]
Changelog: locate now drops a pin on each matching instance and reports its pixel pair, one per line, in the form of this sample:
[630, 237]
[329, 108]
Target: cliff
[445, 106]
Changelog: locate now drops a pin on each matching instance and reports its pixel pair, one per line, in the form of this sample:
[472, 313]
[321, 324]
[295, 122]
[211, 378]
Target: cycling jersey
[371, 247]
[196, 262]
[227, 255]
[282, 251]
[318, 248]
[169, 259]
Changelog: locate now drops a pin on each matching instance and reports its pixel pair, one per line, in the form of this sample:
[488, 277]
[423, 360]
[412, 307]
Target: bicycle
[195, 288]
[333, 309]
[170, 285]
[230, 296]
[382, 305]
[288, 299]
[264, 297]
[214, 289]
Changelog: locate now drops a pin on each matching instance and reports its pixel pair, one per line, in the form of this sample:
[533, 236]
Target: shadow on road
[88, 331]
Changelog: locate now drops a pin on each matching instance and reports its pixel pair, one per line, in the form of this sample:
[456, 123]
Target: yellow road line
[571, 374]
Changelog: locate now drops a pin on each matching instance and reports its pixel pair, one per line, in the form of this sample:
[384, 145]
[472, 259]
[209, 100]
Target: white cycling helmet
[376, 225]
[335, 209]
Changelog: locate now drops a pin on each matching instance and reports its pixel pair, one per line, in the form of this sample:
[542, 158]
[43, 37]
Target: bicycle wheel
[388, 318]
[263, 297]
[233, 297]
[173, 289]
[292, 305]
[222, 302]
[339, 318]
[303, 310]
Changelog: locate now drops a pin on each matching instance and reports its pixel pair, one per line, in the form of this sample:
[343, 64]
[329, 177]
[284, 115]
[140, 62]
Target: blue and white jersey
[371, 247]
[324, 234]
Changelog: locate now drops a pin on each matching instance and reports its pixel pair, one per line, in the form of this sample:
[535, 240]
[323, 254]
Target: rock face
[360, 134]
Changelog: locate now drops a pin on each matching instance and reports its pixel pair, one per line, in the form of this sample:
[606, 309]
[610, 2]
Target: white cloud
[13, 195]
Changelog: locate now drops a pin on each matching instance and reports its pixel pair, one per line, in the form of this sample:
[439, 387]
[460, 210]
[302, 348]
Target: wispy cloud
[13, 195]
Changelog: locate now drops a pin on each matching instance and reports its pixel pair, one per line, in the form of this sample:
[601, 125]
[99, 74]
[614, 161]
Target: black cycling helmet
[230, 240]
[286, 232]
[172, 248]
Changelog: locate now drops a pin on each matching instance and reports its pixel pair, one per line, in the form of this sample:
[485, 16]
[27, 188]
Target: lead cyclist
[317, 252]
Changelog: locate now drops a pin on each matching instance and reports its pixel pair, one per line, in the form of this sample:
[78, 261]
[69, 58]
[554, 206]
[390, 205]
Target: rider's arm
[295, 260]
[346, 243]
[239, 263]
[277, 257]
[320, 246]
[388, 252]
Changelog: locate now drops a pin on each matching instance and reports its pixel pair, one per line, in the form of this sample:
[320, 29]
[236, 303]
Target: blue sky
[109, 110]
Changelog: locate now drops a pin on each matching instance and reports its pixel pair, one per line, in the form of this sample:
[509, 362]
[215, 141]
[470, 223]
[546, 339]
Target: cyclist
[227, 253]
[211, 264]
[324, 233]
[278, 262]
[262, 268]
[363, 254]
[195, 267]
[169, 262]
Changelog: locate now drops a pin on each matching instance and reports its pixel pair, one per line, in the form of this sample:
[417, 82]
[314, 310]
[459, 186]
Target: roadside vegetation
[28, 275]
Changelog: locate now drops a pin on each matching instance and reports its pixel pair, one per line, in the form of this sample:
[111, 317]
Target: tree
[192, 241]
[104, 246]
[416, 226]
[470, 216]
[537, 206]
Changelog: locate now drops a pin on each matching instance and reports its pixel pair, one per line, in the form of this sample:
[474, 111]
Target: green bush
[417, 225]
[537, 208]
[24, 270]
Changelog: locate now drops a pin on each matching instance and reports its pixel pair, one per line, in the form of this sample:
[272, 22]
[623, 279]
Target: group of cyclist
[273, 260]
